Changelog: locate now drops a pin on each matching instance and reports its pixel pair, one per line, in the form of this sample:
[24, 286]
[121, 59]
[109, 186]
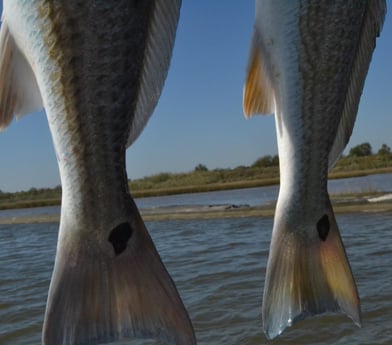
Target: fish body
[307, 65]
[98, 68]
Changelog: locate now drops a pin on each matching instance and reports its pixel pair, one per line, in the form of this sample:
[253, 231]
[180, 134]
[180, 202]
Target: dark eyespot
[323, 227]
[119, 237]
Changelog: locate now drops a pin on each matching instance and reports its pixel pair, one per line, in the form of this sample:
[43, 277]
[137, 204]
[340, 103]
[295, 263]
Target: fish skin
[307, 65]
[98, 68]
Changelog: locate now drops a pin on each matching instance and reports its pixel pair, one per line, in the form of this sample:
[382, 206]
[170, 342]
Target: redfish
[98, 68]
[308, 62]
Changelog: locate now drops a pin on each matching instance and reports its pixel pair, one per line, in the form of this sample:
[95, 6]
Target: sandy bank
[351, 204]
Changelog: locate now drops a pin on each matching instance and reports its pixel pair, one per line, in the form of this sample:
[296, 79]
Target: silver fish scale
[326, 59]
[99, 65]
[326, 55]
[316, 55]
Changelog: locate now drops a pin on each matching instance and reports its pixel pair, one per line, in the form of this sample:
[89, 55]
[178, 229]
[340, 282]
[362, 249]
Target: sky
[199, 117]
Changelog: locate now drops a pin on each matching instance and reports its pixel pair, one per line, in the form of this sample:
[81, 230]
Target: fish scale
[307, 65]
[98, 68]
[90, 104]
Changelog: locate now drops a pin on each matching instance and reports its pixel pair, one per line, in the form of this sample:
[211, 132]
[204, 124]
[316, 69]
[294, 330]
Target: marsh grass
[29, 204]
[264, 172]
[204, 181]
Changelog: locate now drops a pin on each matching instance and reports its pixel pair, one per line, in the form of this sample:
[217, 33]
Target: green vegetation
[362, 150]
[362, 159]
[31, 198]
[264, 171]
[204, 180]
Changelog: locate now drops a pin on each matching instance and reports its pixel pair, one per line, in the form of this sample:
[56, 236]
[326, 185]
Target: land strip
[52, 197]
[353, 203]
[263, 172]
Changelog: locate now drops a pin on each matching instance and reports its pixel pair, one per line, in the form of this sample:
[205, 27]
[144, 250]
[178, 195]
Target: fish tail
[95, 299]
[307, 275]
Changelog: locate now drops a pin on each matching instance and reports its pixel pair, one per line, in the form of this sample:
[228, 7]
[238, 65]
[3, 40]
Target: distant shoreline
[355, 203]
[265, 182]
[210, 187]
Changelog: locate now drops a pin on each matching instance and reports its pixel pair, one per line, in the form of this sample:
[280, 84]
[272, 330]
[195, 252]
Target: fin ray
[95, 298]
[371, 28]
[156, 62]
[307, 277]
[258, 96]
[19, 91]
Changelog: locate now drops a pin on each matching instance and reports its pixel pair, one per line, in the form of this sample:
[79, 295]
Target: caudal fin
[95, 299]
[307, 276]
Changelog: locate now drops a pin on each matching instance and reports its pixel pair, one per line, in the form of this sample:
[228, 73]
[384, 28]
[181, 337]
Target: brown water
[218, 266]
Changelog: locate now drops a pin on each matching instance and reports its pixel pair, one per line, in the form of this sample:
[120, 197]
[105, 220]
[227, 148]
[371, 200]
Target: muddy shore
[351, 204]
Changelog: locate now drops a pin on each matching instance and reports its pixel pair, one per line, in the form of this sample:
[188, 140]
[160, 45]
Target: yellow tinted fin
[258, 96]
[19, 92]
[307, 275]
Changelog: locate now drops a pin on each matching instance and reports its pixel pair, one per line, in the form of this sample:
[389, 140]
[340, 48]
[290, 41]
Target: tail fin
[307, 276]
[95, 299]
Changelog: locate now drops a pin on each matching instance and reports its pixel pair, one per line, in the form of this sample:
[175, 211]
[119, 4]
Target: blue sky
[199, 117]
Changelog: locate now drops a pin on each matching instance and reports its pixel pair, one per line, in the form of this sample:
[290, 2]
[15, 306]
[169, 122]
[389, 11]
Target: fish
[307, 65]
[97, 67]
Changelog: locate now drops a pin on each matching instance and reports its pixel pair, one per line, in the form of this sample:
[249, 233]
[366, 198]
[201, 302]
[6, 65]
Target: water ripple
[219, 268]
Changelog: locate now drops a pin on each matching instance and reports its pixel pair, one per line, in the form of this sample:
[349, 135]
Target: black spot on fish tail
[119, 237]
[323, 227]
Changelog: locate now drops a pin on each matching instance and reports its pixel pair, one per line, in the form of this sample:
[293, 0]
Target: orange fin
[95, 298]
[307, 276]
[258, 96]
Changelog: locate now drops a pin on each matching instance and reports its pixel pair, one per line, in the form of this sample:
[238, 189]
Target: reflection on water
[219, 267]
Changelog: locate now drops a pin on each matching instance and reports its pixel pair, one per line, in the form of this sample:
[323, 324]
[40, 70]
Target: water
[219, 267]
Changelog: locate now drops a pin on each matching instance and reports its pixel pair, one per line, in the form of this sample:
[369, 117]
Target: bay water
[219, 267]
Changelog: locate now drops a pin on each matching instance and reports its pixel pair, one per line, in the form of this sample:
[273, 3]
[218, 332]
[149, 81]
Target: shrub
[361, 150]
[201, 167]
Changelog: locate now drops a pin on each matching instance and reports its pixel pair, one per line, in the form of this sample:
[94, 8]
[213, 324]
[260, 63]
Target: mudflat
[355, 203]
